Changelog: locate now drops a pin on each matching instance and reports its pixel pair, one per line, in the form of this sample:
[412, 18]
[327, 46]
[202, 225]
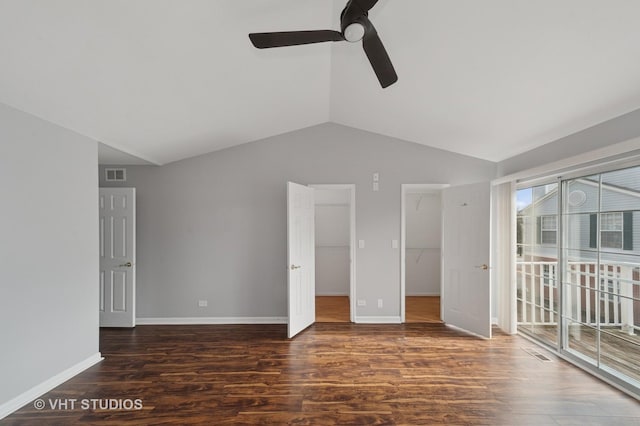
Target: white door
[117, 257]
[301, 282]
[466, 292]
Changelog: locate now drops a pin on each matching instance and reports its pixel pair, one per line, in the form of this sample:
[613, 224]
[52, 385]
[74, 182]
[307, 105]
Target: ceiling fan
[355, 26]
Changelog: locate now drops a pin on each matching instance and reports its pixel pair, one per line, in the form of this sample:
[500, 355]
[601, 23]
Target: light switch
[394, 244]
[360, 243]
[376, 177]
[376, 186]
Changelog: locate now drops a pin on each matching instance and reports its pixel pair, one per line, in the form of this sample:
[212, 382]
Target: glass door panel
[537, 262]
[601, 263]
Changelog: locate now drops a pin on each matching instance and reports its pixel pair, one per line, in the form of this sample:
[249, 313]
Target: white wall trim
[550, 169]
[424, 294]
[378, 320]
[211, 320]
[44, 387]
[333, 294]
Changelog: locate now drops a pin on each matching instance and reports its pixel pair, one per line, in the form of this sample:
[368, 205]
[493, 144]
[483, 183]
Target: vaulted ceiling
[165, 80]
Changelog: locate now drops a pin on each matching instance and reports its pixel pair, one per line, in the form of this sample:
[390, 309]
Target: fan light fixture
[354, 32]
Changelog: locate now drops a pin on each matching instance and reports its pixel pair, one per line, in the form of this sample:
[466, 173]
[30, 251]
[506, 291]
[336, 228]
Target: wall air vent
[115, 175]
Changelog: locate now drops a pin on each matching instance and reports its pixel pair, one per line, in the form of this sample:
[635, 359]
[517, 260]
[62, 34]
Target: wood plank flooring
[417, 309]
[332, 309]
[347, 374]
[422, 309]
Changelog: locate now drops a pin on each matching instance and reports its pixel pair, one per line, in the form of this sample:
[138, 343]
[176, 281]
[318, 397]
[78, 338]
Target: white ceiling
[165, 80]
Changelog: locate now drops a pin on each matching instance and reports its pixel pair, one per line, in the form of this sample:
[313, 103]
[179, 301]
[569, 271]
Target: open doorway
[421, 252]
[335, 252]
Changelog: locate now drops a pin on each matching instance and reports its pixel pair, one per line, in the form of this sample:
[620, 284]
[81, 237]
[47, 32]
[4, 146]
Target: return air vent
[537, 354]
[115, 175]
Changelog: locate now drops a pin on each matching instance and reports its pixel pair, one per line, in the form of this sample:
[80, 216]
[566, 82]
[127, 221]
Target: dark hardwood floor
[422, 309]
[332, 309]
[332, 373]
[418, 309]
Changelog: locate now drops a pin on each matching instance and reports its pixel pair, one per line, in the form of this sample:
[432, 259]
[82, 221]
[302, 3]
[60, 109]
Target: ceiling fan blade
[366, 5]
[378, 57]
[293, 38]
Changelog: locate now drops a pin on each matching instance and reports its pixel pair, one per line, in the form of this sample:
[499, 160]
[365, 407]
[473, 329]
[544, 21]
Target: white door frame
[352, 241]
[407, 188]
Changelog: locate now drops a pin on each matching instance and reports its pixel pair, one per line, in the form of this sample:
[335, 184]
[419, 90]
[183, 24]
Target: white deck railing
[537, 294]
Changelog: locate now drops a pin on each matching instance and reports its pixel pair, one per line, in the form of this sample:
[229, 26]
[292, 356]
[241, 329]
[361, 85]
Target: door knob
[295, 267]
[484, 267]
[126, 265]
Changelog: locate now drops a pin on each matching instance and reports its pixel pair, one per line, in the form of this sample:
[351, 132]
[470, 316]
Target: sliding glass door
[537, 262]
[578, 270]
[601, 264]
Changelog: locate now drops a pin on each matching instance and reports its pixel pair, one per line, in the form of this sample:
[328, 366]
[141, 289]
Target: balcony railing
[608, 295]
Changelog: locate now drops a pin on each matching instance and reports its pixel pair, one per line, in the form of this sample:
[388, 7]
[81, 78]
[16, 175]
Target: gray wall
[423, 244]
[48, 251]
[214, 227]
[333, 253]
[616, 130]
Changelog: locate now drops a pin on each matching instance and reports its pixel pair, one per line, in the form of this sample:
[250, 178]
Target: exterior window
[547, 276]
[548, 229]
[608, 291]
[611, 230]
[616, 230]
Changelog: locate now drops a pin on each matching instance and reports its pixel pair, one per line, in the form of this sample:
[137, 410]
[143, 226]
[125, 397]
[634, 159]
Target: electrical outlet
[362, 302]
[379, 303]
[376, 186]
[203, 303]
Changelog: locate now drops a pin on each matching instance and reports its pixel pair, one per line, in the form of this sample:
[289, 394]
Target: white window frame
[542, 229]
[603, 229]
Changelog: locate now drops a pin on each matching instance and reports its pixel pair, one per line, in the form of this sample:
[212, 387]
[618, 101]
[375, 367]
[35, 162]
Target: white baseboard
[378, 320]
[44, 387]
[423, 294]
[211, 320]
[332, 294]
[494, 321]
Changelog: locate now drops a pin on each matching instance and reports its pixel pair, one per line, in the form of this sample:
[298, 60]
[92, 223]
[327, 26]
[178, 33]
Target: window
[611, 230]
[548, 275]
[608, 291]
[616, 230]
[548, 229]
